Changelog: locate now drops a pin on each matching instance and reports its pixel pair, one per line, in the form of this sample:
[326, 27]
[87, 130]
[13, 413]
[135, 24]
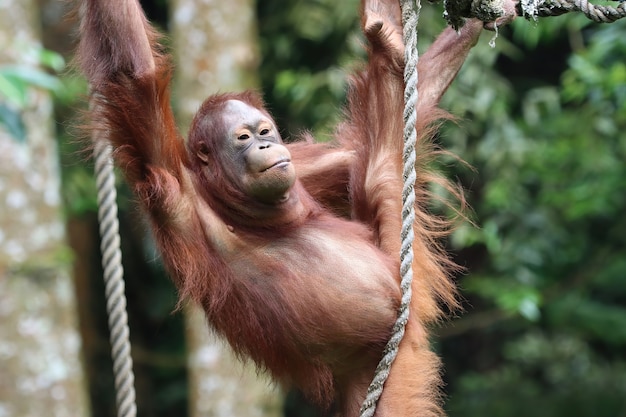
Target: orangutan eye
[243, 136]
[265, 132]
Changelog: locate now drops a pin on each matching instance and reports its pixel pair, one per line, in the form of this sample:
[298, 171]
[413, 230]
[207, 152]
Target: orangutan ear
[203, 154]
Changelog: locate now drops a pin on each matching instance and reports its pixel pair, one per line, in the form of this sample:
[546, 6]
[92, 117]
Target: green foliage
[79, 186]
[511, 296]
[547, 375]
[303, 45]
[598, 74]
[548, 191]
[16, 82]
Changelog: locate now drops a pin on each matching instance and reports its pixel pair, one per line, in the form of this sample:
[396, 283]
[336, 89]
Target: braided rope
[410, 17]
[489, 10]
[597, 13]
[114, 283]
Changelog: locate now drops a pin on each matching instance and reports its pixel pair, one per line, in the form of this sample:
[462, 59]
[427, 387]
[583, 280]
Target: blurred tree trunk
[41, 373]
[215, 47]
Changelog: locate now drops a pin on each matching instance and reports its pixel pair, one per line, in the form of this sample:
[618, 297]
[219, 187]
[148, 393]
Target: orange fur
[306, 288]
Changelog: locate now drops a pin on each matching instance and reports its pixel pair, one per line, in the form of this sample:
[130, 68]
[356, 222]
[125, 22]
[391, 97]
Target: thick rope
[490, 10]
[597, 13]
[410, 17]
[114, 283]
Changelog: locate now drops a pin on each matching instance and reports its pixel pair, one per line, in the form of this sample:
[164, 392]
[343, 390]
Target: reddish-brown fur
[308, 290]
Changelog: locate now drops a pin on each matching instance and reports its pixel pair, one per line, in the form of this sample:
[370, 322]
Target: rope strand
[597, 13]
[114, 281]
[489, 10]
[410, 17]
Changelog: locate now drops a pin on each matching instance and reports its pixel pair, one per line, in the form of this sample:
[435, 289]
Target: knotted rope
[410, 17]
[490, 10]
[597, 13]
[114, 281]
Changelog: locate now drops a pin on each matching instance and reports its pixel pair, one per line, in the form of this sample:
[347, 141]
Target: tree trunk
[215, 48]
[41, 373]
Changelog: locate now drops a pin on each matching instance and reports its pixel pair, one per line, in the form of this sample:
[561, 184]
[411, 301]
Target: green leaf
[12, 121]
[32, 76]
[52, 60]
[13, 90]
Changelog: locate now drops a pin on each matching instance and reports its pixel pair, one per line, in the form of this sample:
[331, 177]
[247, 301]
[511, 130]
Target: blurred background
[541, 122]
